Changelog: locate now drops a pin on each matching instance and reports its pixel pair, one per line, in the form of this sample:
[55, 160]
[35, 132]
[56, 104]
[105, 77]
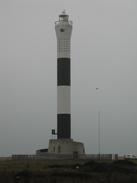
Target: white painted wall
[63, 39]
[63, 99]
[66, 147]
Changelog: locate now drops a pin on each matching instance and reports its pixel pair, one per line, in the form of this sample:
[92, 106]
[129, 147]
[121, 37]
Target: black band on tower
[63, 71]
[63, 126]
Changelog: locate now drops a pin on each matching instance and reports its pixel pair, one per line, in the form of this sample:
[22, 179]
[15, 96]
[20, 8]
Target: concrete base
[66, 147]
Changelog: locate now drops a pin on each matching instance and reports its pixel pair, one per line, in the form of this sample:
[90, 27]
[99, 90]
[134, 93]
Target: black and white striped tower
[64, 144]
[63, 29]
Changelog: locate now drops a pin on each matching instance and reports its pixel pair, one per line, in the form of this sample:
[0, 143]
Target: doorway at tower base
[66, 147]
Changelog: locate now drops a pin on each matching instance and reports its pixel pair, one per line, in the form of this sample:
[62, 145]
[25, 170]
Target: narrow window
[59, 149]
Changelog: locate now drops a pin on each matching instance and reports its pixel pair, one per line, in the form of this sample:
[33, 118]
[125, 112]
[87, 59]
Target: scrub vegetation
[68, 171]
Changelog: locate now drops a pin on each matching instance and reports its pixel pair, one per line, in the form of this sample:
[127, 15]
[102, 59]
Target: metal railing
[64, 22]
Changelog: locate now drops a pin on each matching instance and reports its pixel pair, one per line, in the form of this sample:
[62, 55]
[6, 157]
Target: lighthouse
[64, 144]
[63, 29]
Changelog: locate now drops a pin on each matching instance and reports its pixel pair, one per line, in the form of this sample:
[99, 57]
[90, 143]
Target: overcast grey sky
[104, 55]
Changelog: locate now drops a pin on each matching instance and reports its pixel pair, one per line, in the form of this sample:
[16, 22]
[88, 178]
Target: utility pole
[99, 152]
[99, 125]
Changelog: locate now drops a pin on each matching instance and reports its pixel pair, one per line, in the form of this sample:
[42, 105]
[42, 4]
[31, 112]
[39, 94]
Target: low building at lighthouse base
[66, 147]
